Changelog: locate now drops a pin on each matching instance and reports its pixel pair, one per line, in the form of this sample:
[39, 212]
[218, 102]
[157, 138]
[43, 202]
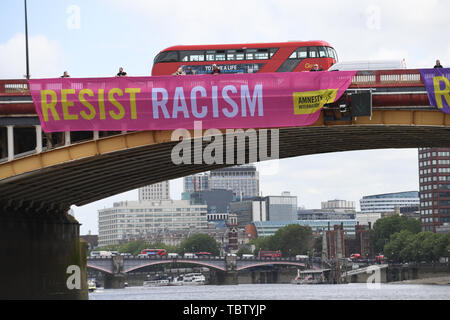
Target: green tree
[397, 248]
[133, 247]
[384, 228]
[293, 239]
[200, 242]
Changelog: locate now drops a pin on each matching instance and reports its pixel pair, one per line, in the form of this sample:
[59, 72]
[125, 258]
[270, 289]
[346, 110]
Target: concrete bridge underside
[85, 172]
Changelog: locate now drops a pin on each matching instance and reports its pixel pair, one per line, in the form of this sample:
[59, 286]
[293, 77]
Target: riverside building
[389, 202]
[434, 186]
[137, 219]
[157, 191]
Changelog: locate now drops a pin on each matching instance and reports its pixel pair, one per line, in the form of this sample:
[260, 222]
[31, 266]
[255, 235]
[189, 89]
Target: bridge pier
[114, 281]
[42, 256]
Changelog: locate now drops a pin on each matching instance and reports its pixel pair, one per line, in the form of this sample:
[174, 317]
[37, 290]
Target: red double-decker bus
[269, 254]
[291, 56]
[154, 252]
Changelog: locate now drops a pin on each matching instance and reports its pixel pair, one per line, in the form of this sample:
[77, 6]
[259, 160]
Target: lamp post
[26, 41]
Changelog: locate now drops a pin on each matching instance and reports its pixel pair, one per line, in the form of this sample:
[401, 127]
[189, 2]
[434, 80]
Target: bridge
[42, 175]
[116, 267]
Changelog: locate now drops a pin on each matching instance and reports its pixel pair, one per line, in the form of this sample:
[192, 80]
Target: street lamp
[26, 42]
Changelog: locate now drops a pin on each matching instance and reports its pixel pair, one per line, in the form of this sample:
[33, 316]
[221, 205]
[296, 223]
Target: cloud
[46, 57]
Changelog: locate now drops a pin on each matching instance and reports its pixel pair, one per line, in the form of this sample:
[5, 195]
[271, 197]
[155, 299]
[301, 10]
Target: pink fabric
[261, 100]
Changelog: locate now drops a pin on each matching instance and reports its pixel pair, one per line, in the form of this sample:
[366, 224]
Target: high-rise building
[389, 202]
[434, 185]
[281, 208]
[249, 210]
[196, 182]
[338, 204]
[242, 180]
[139, 219]
[156, 191]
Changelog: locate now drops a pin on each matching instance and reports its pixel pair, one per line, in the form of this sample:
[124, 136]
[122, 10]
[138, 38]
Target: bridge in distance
[41, 176]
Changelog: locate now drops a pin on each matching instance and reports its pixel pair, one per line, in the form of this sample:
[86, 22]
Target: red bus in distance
[269, 254]
[154, 252]
[293, 56]
[203, 254]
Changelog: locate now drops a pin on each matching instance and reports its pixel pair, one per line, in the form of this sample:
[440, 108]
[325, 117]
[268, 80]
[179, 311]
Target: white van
[105, 254]
[189, 255]
[368, 65]
[172, 255]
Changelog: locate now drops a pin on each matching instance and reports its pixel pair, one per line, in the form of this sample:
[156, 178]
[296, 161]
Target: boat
[156, 283]
[188, 279]
[92, 286]
[310, 277]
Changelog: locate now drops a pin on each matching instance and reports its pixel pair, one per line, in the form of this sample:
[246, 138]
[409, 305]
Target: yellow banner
[311, 101]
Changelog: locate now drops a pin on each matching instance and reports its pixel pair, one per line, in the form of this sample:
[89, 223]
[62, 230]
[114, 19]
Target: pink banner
[262, 100]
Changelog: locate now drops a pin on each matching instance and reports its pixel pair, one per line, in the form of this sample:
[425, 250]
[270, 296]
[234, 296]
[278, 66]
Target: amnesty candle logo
[312, 101]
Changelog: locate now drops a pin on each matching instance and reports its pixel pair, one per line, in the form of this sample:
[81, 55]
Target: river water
[351, 291]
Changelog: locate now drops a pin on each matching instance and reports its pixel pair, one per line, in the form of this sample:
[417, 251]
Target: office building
[324, 214]
[281, 208]
[389, 202]
[217, 202]
[242, 180]
[196, 182]
[249, 210]
[338, 205]
[268, 228]
[434, 186]
[156, 191]
[137, 219]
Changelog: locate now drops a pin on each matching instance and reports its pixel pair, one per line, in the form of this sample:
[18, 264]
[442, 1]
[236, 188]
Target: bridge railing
[14, 87]
[370, 78]
[388, 78]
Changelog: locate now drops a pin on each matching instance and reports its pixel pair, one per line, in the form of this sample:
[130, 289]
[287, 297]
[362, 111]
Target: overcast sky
[96, 37]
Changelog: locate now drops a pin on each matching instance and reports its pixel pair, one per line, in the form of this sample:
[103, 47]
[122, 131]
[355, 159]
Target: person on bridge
[121, 73]
[316, 68]
[438, 64]
[65, 75]
[179, 72]
[215, 69]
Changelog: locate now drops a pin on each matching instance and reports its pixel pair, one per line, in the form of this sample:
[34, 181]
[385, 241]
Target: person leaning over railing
[438, 64]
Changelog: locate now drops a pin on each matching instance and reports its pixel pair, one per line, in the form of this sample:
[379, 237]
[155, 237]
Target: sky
[94, 38]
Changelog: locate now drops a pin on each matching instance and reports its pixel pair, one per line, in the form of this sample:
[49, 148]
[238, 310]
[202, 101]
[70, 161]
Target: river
[351, 291]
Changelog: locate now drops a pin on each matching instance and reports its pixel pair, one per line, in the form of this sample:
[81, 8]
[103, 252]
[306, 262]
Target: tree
[397, 248]
[293, 240]
[200, 242]
[384, 228]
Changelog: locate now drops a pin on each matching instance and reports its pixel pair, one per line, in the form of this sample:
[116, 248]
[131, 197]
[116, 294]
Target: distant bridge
[123, 265]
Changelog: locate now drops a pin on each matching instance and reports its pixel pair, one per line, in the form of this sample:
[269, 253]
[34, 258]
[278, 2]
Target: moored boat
[310, 277]
[92, 286]
[189, 279]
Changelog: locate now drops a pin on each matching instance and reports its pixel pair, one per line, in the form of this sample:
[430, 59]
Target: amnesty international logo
[311, 101]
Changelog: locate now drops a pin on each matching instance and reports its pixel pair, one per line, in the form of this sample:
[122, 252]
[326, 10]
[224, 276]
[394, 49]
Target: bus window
[322, 52]
[293, 55]
[231, 54]
[250, 54]
[168, 56]
[302, 53]
[210, 55]
[240, 55]
[332, 53]
[220, 55]
[273, 51]
[262, 54]
[313, 52]
[192, 56]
